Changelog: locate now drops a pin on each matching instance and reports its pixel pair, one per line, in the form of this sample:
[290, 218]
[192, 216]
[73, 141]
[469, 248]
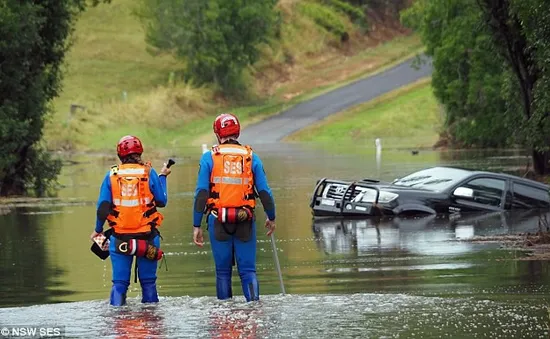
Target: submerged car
[434, 190]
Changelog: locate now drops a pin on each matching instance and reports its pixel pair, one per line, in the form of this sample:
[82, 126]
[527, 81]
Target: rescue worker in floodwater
[128, 200]
[230, 178]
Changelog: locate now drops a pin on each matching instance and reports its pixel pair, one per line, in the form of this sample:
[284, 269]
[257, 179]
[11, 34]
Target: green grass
[109, 57]
[409, 117]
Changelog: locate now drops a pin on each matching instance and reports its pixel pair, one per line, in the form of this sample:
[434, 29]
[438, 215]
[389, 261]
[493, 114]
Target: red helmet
[226, 125]
[129, 144]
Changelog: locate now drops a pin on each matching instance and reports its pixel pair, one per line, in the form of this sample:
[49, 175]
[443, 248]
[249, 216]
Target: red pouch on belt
[139, 248]
[234, 215]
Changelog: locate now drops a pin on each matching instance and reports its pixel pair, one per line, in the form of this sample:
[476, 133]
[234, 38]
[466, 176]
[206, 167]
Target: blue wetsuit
[121, 263]
[224, 251]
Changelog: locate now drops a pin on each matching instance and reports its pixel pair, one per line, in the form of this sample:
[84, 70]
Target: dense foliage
[490, 70]
[217, 38]
[33, 42]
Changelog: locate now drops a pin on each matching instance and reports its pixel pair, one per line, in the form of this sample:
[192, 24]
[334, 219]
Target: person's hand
[270, 225]
[197, 236]
[94, 234]
[165, 170]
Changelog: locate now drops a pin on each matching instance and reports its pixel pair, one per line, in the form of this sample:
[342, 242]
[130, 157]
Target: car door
[525, 196]
[479, 194]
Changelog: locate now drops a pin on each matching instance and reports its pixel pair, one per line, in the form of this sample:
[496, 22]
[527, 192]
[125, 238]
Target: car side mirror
[463, 192]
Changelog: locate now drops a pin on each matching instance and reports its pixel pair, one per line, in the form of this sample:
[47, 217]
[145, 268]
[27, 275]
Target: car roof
[497, 174]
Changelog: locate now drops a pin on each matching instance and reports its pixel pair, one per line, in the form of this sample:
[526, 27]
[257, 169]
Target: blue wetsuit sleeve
[159, 188]
[262, 187]
[105, 199]
[203, 188]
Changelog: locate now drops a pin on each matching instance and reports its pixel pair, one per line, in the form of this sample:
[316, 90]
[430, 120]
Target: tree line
[491, 70]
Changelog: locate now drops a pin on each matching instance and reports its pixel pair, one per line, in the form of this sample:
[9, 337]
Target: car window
[487, 191]
[526, 196]
[437, 178]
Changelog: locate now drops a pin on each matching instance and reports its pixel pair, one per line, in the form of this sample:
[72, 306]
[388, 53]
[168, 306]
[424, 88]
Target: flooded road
[415, 277]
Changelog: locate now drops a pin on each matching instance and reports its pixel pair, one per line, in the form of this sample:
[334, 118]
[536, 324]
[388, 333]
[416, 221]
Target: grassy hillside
[124, 89]
[407, 117]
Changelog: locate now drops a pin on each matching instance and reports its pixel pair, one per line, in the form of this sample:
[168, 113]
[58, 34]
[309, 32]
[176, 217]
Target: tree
[218, 39]
[34, 40]
[521, 30]
[468, 76]
[490, 67]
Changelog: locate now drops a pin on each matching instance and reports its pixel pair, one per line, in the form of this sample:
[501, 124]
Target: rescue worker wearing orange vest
[129, 197]
[230, 178]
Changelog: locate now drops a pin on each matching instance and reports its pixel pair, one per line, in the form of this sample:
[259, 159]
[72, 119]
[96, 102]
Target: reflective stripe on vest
[230, 180]
[130, 171]
[130, 202]
[233, 150]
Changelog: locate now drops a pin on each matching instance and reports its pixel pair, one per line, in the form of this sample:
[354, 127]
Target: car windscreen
[436, 179]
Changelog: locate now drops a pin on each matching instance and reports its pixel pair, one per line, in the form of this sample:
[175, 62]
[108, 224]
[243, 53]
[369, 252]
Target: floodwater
[376, 278]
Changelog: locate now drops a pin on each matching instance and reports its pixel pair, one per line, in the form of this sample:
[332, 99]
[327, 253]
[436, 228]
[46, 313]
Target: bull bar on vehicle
[346, 205]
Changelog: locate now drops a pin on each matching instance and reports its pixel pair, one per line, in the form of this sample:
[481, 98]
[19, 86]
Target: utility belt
[139, 245]
[233, 215]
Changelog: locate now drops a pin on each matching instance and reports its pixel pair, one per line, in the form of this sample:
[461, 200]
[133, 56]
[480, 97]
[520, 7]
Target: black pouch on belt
[233, 221]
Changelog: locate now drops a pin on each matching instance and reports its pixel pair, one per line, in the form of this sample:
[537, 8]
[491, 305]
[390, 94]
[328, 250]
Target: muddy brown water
[416, 277]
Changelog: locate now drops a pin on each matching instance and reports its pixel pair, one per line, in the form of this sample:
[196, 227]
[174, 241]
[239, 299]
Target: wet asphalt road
[277, 127]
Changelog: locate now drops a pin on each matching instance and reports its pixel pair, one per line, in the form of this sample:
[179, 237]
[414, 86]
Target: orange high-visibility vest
[232, 180]
[133, 209]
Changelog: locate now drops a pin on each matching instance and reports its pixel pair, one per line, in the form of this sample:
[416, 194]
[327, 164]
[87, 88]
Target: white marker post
[204, 148]
[378, 144]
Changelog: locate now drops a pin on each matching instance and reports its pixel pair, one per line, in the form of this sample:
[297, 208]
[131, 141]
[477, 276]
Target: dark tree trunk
[540, 162]
[514, 47]
[10, 187]
[15, 184]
